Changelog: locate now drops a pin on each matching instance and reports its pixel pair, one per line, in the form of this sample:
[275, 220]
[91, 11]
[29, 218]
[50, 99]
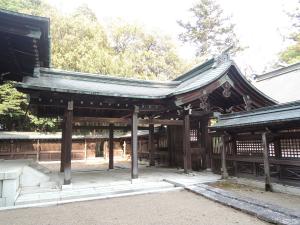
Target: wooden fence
[244, 156]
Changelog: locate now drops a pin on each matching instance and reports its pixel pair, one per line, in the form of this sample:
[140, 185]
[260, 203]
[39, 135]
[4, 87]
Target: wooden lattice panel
[193, 135]
[216, 143]
[271, 150]
[290, 148]
[249, 147]
[253, 147]
[162, 142]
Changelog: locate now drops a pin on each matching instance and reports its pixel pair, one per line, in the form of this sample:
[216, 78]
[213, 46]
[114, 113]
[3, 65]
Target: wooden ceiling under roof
[24, 44]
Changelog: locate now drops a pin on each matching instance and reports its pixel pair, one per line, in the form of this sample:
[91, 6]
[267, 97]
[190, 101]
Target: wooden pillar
[85, 149]
[151, 145]
[265, 144]
[187, 158]
[134, 143]
[62, 149]
[223, 157]
[277, 151]
[170, 147]
[38, 150]
[205, 144]
[68, 143]
[234, 153]
[111, 146]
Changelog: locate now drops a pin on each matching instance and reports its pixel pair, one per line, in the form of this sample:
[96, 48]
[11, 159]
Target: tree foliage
[209, 29]
[14, 114]
[292, 53]
[79, 42]
[148, 55]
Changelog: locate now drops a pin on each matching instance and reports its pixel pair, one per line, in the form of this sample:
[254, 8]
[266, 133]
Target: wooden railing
[244, 156]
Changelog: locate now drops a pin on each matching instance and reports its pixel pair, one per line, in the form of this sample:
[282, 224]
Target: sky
[261, 25]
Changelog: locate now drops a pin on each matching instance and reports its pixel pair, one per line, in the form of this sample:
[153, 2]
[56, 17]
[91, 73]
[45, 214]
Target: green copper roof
[103, 85]
[264, 116]
[95, 84]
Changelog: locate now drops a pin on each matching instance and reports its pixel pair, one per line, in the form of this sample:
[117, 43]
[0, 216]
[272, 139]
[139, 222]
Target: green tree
[79, 42]
[147, 55]
[14, 114]
[292, 53]
[210, 30]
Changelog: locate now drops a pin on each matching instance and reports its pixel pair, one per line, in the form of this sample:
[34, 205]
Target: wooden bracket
[226, 92]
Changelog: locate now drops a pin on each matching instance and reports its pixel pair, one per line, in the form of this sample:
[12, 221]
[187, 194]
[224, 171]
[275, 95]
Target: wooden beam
[101, 127]
[134, 143]
[195, 95]
[128, 121]
[63, 137]
[187, 159]
[151, 145]
[223, 157]
[68, 143]
[265, 144]
[111, 146]
[162, 122]
[102, 120]
[22, 31]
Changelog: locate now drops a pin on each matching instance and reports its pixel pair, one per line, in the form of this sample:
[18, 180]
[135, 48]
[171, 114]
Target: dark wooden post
[223, 157]
[68, 143]
[63, 141]
[265, 144]
[205, 143]
[277, 151]
[134, 143]
[151, 145]
[38, 150]
[170, 147]
[234, 153]
[187, 158]
[111, 146]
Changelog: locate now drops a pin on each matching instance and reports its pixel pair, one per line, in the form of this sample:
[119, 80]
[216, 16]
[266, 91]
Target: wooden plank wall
[45, 149]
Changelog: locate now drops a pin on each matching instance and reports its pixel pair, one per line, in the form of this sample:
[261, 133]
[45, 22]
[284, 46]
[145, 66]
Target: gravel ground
[284, 200]
[174, 208]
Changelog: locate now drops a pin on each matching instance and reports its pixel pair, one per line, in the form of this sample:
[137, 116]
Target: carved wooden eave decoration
[224, 81]
[229, 82]
[226, 92]
[204, 104]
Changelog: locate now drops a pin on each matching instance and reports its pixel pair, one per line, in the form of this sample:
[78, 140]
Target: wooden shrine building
[184, 106]
[262, 143]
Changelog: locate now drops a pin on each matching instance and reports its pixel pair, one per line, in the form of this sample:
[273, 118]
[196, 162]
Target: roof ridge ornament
[223, 57]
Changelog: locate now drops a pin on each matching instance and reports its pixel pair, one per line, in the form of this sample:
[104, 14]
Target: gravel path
[174, 208]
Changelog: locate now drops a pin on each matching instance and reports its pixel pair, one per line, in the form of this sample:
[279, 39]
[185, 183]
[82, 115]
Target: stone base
[66, 186]
[135, 181]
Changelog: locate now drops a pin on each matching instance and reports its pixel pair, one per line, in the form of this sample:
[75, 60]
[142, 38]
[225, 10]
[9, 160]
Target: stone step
[39, 167]
[31, 177]
[103, 192]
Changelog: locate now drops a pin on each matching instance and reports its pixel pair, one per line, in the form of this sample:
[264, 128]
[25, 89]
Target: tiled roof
[264, 116]
[94, 84]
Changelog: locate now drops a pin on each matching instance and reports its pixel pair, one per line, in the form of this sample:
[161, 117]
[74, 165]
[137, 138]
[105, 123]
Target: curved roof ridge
[107, 78]
[196, 70]
[250, 84]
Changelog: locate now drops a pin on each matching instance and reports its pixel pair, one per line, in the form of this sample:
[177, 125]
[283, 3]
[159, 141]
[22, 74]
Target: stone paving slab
[69, 194]
[265, 211]
[107, 196]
